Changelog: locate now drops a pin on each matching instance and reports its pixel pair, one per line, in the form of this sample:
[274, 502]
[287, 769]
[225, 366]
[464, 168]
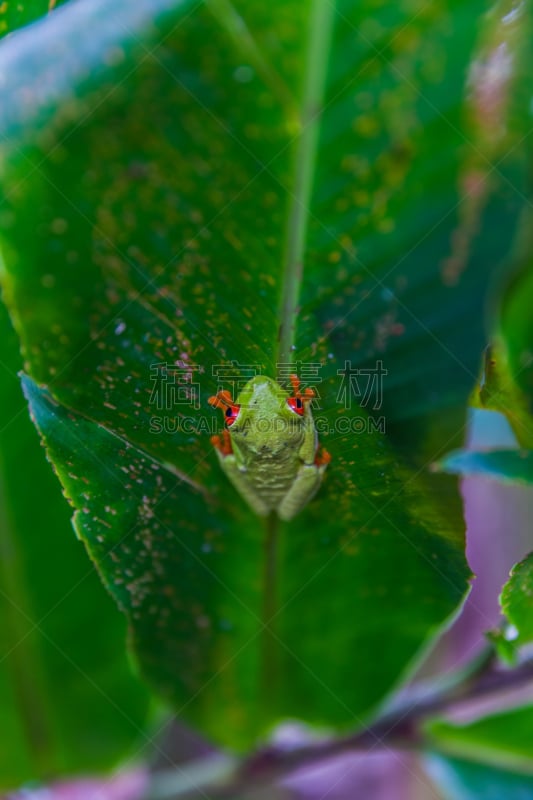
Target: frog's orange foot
[322, 458]
[222, 443]
[221, 399]
[298, 400]
[308, 394]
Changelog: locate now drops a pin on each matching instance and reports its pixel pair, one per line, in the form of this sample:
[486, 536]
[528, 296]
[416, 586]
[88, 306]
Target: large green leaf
[183, 201]
[68, 700]
[167, 179]
[186, 566]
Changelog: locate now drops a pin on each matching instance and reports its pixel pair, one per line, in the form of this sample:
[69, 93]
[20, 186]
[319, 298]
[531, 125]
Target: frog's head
[265, 419]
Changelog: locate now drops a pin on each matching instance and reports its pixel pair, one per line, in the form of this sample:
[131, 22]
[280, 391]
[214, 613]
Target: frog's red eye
[297, 405]
[231, 413]
[223, 400]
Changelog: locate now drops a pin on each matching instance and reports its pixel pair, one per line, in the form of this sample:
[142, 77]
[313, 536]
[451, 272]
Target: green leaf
[68, 700]
[17, 13]
[516, 326]
[459, 779]
[510, 383]
[507, 377]
[167, 209]
[502, 740]
[189, 569]
[504, 645]
[498, 391]
[507, 382]
[517, 600]
[514, 466]
[174, 197]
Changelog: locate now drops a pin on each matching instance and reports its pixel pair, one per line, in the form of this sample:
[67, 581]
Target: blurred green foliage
[205, 184]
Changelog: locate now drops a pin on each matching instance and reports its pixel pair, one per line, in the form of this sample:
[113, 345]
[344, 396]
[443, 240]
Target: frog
[269, 447]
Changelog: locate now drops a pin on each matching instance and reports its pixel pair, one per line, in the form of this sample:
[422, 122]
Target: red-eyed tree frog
[269, 448]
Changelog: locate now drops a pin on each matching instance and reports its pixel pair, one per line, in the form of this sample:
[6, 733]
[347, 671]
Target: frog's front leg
[305, 485]
[236, 474]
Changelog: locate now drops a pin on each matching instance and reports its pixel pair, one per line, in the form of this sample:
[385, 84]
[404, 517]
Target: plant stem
[269, 644]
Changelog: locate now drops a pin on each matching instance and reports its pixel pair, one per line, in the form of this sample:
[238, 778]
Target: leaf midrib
[305, 151]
